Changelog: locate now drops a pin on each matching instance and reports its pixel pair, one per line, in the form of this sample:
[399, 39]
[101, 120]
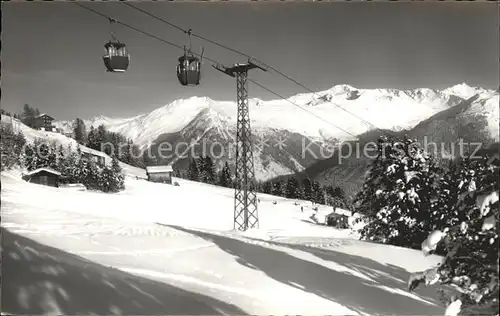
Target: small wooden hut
[162, 174]
[43, 176]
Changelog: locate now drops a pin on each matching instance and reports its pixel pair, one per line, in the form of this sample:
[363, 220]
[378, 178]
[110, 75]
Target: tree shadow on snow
[38, 279]
[351, 291]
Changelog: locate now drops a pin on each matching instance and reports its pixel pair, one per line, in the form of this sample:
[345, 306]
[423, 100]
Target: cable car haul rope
[188, 70]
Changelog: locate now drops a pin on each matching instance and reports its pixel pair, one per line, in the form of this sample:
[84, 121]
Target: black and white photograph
[250, 157]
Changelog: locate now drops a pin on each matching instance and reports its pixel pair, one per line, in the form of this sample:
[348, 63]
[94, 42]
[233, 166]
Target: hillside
[341, 108]
[59, 139]
[109, 244]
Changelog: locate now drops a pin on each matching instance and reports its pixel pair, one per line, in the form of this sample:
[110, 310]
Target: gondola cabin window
[117, 57]
[188, 70]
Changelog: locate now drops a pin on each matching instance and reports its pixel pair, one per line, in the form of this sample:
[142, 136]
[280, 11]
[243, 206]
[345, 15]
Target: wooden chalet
[162, 174]
[44, 122]
[43, 176]
[96, 156]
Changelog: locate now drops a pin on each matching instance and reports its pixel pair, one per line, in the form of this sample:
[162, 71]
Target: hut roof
[91, 151]
[46, 115]
[32, 172]
[156, 169]
[336, 215]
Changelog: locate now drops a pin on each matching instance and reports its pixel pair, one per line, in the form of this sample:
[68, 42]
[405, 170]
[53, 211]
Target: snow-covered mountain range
[341, 113]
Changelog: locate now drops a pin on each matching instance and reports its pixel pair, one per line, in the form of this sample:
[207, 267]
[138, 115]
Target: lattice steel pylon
[245, 198]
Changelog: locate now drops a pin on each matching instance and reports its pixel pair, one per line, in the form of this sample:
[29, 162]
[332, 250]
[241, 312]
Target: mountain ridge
[307, 100]
[335, 110]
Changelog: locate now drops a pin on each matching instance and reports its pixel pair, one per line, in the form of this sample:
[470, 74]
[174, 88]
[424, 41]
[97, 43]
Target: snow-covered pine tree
[30, 157]
[471, 260]
[67, 167]
[118, 176]
[52, 159]
[18, 147]
[42, 153]
[11, 147]
[60, 156]
[398, 194]
[79, 169]
[92, 175]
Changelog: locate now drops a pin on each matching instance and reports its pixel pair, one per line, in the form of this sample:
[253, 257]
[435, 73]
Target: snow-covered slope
[287, 265]
[60, 139]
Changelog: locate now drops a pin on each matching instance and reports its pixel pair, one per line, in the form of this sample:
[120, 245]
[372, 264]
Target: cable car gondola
[189, 67]
[117, 58]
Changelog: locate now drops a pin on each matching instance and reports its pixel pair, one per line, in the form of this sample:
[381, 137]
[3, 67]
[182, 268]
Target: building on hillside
[337, 220]
[96, 156]
[162, 174]
[44, 122]
[43, 176]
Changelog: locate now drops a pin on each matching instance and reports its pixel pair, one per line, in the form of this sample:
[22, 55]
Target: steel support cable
[251, 57]
[212, 61]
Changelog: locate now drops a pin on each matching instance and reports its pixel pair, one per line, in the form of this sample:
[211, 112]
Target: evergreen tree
[42, 154]
[307, 189]
[52, 160]
[136, 157]
[11, 147]
[28, 116]
[126, 152]
[338, 192]
[29, 157]
[193, 173]
[470, 243]
[398, 194]
[118, 176]
[101, 138]
[291, 189]
[68, 167]
[206, 170]
[92, 139]
[91, 176]
[336, 197]
[60, 157]
[225, 176]
[79, 131]
[278, 188]
[267, 187]
[317, 194]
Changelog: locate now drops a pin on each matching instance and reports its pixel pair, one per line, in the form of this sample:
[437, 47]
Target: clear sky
[52, 51]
